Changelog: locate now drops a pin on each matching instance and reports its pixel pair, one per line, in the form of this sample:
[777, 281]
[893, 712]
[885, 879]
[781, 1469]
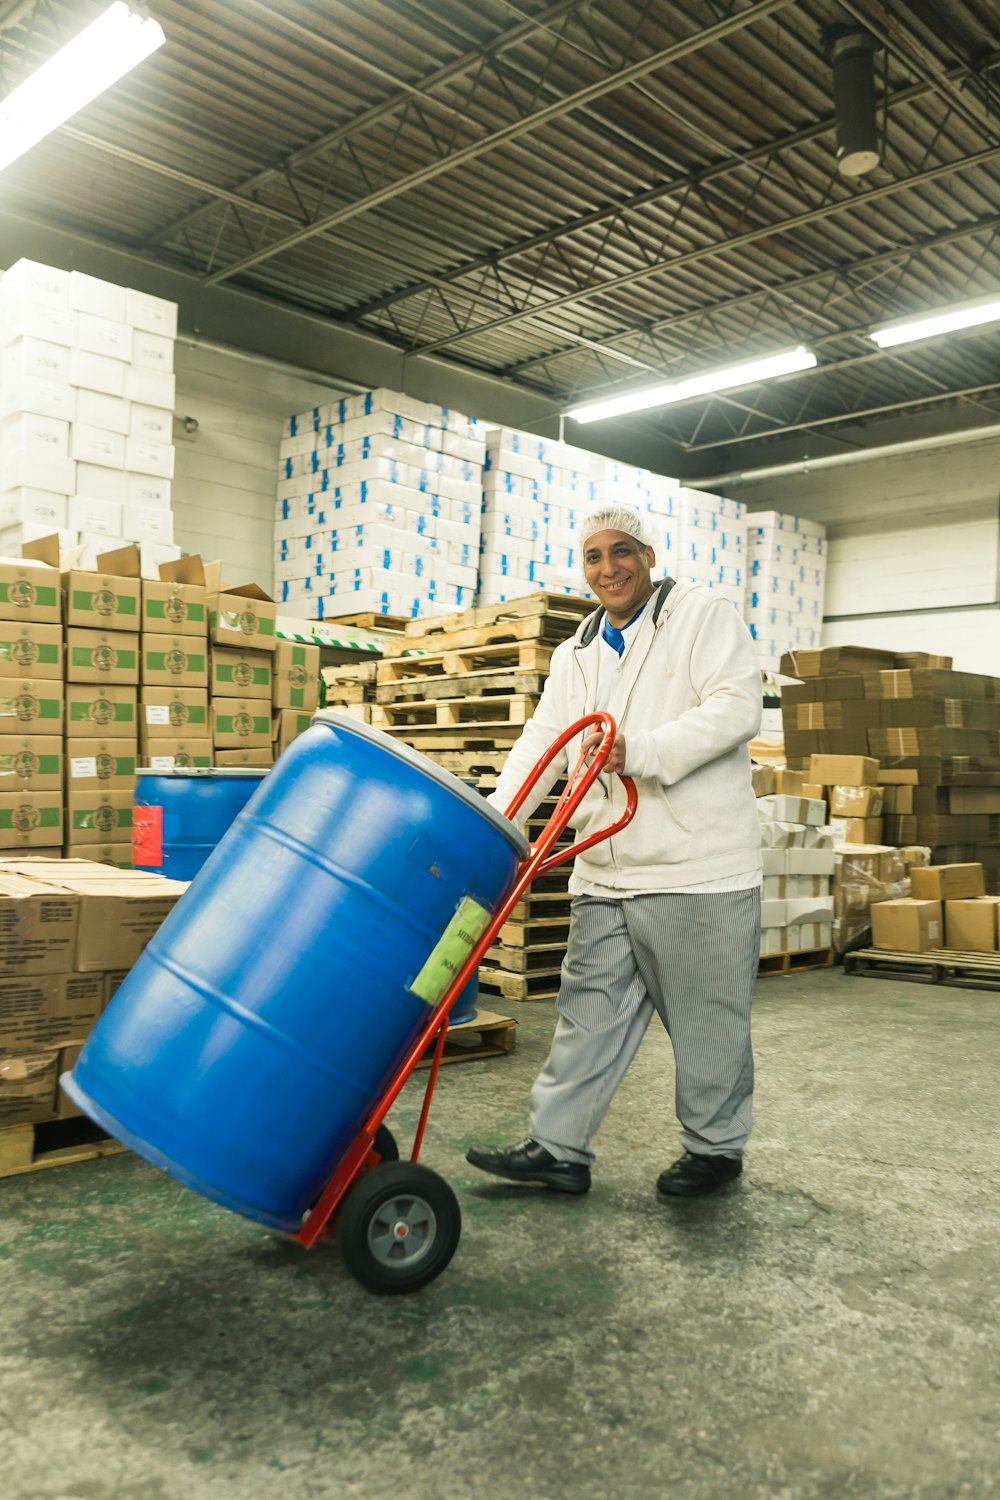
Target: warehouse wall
[914, 545]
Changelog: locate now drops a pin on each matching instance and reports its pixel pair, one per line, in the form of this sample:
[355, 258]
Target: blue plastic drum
[277, 1002]
[182, 814]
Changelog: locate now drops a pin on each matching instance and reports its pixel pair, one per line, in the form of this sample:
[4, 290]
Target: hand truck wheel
[398, 1227]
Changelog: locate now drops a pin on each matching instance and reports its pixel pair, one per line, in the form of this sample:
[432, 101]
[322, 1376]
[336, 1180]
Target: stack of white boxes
[86, 413]
[786, 565]
[536, 492]
[712, 543]
[798, 856]
[378, 508]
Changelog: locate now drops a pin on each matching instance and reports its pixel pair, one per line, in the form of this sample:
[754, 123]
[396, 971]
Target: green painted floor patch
[423, 1367]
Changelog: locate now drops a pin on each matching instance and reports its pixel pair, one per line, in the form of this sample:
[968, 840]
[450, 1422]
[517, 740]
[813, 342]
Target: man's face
[617, 570]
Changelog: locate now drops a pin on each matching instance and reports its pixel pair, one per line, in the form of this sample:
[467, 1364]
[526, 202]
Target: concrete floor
[826, 1330]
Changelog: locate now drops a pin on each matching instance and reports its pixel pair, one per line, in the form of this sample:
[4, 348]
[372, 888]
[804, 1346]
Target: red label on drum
[147, 835]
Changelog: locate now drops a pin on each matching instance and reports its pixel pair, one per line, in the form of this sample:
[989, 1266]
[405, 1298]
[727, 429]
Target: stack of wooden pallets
[351, 689]
[460, 688]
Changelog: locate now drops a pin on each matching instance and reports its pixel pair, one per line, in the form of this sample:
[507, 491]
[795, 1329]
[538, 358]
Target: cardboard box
[38, 927]
[113, 982]
[118, 856]
[783, 809]
[857, 830]
[31, 706]
[48, 1010]
[971, 925]
[118, 916]
[289, 723]
[244, 757]
[104, 710]
[242, 615]
[843, 770]
[805, 863]
[241, 724]
[65, 1108]
[33, 763]
[102, 656]
[31, 649]
[761, 777]
[296, 685]
[175, 608]
[831, 660]
[100, 764]
[30, 590]
[102, 600]
[856, 802]
[98, 816]
[30, 819]
[166, 712]
[174, 661]
[240, 674]
[179, 754]
[948, 882]
[872, 865]
[789, 783]
[27, 1088]
[907, 926]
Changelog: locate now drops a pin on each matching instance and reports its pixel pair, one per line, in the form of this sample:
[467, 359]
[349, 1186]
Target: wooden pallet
[487, 1035]
[495, 739]
[445, 713]
[56, 1143]
[367, 620]
[485, 765]
[543, 985]
[794, 963]
[535, 931]
[491, 684]
[524, 656]
[948, 966]
[362, 672]
[543, 904]
[344, 694]
[566, 609]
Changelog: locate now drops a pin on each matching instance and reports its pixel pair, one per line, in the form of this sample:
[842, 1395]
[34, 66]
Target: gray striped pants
[692, 959]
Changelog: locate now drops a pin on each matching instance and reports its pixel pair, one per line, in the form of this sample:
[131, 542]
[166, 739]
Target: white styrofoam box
[141, 523]
[151, 314]
[96, 372]
[93, 544]
[367, 402]
[777, 520]
[20, 469]
[149, 458]
[28, 281]
[101, 299]
[12, 538]
[53, 325]
[95, 517]
[34, 359]
[424, 435]
[104, 336]
[806, 937]
[297, 445]
[151, 351]
[45, 398]
[307, 421]
[151, 387]
[33, 507]
[152, 554]
[810, 909]
[97, 482]
[93, 445]
[151, 424]
[810, 861]
[286, 548]
[44, 437]
[95, 409]
[147, 490]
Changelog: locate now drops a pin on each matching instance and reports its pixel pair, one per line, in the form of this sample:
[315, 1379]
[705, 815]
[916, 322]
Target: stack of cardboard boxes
[242, 631]
[86, 413]
[948, 908]
[69, 932]
[786, 565]
[174, 725]
[295, 690]
[32, 707]
[798, 862]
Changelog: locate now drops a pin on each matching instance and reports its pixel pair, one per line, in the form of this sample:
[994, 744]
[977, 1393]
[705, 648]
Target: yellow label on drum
[460, 937]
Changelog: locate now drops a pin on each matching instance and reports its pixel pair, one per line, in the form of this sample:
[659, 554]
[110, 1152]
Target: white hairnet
[616, 518]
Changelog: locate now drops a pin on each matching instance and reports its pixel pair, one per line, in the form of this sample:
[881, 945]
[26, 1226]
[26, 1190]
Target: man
[666, 915]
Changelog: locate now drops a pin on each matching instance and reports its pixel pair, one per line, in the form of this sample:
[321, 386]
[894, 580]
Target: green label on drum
[457, 942]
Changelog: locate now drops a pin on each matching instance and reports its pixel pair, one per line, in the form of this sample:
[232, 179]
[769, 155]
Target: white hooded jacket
[691, 690]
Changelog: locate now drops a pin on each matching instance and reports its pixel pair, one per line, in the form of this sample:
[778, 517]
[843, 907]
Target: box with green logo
[288, 725]
[32, 648]
[166, 712]
[248, 758]
[240, 674]
[98, 816]
[96, 763]
[30, 706]
[241, 723]
[100, 710]
[175, 608]
[296, 676]
[240, 614]
[102, 656]
[178, 755]
[33, 763]
[30, 820]
[119, 856]
[30, 590]
[102, 601]
[174, 661]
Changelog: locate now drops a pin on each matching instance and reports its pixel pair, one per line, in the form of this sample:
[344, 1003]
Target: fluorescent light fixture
[96, 58]
[784, 363]
[944, 320]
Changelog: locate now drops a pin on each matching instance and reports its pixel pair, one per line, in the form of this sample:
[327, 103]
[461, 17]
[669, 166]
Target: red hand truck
[397, 1223]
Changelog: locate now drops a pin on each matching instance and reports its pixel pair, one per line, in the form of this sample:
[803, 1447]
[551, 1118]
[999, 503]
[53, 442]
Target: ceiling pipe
[836, 460]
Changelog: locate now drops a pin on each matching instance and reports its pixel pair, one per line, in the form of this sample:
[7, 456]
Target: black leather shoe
[693, 1176]
[530, 1162]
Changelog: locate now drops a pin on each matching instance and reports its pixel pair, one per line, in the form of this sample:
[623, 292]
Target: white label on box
[933, 930]
[157, 713]
[161, 762]
[83, 765]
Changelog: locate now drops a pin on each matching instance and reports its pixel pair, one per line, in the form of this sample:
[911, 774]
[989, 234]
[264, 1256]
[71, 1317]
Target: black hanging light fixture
[850, 50]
